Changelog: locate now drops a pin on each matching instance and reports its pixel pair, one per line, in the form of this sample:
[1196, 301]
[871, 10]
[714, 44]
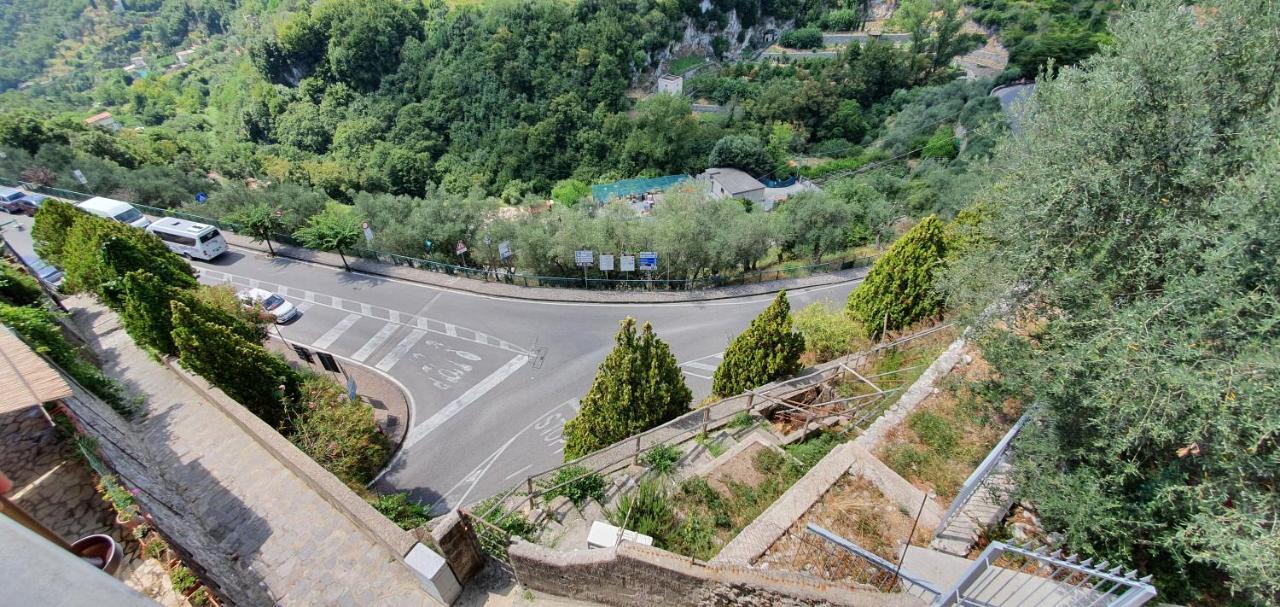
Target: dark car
[27, 205]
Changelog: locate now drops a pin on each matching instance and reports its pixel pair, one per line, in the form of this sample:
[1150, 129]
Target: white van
[190, 239]
[118, 210]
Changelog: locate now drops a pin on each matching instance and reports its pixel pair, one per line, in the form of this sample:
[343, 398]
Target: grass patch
[684, 64]
[662, 458]
[576, 483]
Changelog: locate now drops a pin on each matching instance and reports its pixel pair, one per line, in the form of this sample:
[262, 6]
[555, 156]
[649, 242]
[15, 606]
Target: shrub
[49, 233]
[155, 549]
[38, 328]
[17, 287]
[639, 386]
[646, 510]
[246, 371]
[900, 289]
[337, 433]
[403, 511]
[578, 484]
[766, 351]
[742, 419]
[182, 578]
[662, 458]
[803, 38]
[829, 332]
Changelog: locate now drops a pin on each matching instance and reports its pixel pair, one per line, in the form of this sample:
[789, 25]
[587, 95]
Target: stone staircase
[984, 510]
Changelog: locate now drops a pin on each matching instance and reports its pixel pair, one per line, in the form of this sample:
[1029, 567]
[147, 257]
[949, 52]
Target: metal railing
[1012, 575]
[504, 276]
[874, 570]
[980, 474]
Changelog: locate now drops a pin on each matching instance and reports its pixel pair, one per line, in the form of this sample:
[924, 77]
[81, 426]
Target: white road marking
[473, 478]
[513, 474]
[335, 332]
[704, 367]
[366, 309]
[400, 350]
[303, 306]
[428, 425]
[375, 341]
[691, 373]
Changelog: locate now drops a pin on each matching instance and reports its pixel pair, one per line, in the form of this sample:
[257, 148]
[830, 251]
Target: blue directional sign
[201, 197]
[648, 261]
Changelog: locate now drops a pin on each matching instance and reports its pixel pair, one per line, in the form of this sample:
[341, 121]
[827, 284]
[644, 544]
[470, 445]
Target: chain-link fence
[505, 275]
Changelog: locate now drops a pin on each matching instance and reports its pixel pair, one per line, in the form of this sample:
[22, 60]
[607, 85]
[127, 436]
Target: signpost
[79, 176]
[648, 261]
[606, 263]
[303, 353]
[504, 249]
[327, 361]
[351, 388]
[201, 197]
[461, 248]
[368, 232]
[585, 259]
[627, 263]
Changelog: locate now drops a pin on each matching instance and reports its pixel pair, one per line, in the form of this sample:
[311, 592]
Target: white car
[275, 305]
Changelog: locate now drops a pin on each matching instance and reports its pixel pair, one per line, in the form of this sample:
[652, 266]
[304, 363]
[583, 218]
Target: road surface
[491, 381]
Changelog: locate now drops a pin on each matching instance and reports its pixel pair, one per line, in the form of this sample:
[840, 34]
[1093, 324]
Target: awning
[25, 378]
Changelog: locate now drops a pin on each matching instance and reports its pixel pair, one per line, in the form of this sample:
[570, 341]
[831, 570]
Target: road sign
[427, 243]
[368, 232]
[201, 197]
[648, 261]
[303, 353]
[584, 258]
[461, 248]
[327, 361]
[79, 177]
[606, 263]
[504, 249]
[351, 388]
[627, 263]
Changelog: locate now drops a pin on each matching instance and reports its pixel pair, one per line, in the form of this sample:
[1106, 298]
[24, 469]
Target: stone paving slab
[268, 520]
[502, 289]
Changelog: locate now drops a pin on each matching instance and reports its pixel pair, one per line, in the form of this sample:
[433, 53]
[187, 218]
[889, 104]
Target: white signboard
[606, 263]
[627, 263]
[648, 261]
[80, 177]
[504, 249]
[461, 248]
[368, 232]
[584, 258]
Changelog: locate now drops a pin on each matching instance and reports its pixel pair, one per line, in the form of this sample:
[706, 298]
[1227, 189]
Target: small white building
[671, 83]
[104, 120]
[732, 183]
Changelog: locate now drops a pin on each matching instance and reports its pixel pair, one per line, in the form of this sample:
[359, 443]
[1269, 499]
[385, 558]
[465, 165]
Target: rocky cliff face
[740, 42]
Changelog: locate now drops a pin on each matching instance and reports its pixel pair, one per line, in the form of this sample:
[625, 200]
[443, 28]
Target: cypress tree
[638, 386]
[899, 290]
[244, 370]
[767, 350]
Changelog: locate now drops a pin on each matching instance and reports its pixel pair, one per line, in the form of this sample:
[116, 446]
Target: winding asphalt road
[491, 380]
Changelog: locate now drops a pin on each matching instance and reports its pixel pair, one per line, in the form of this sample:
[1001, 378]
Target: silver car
[275, 305]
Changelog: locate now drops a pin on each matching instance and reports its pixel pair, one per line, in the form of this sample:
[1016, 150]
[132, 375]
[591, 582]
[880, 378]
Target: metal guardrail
[897, 572]
[980, 474]
[1038, 577]
[497, 275]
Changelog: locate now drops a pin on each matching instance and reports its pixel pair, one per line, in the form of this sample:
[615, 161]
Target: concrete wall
[631, 575]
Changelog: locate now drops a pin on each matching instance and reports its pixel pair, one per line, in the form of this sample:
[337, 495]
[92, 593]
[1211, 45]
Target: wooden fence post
[635, 457]
[529, 484]
[706, 418]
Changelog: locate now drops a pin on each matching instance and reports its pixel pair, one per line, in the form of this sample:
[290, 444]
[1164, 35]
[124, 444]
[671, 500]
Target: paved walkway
[502, 289]
[273, 525]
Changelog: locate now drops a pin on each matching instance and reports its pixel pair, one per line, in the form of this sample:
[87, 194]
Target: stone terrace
[261, 533]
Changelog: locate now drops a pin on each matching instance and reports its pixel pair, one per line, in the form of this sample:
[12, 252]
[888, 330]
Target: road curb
[548, 294]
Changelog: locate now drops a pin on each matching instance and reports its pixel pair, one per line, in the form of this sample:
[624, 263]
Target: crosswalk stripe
[400, 350]
[374, 342]
[335, 332]
[704, 367]
[474, 393]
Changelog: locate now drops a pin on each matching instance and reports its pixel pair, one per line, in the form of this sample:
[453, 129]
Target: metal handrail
[981, 473]
[880, 563]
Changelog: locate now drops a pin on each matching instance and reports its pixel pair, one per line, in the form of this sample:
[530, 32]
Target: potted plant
[184, 582]
[199, 598]
[127, 515]
[156, 548]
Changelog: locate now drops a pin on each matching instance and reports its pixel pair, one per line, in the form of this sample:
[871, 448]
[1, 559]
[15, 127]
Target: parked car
[118, 210]
[27, 205]
[45, 272]
[8, 194]
[275, 305]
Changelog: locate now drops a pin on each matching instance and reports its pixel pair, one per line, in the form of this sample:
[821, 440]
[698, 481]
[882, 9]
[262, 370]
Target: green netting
[638, 186]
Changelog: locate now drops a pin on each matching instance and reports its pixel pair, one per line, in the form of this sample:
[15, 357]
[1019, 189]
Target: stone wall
[634, 575]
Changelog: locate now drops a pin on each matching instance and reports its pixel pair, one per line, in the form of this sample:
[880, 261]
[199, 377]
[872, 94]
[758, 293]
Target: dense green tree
[817, 223]
[247, 372]
[23, 130]
[335, 229]
[569, 191]
[803, 38]
[900, 289]
[261, 221]
[1131, 251]
[53, 222]
[766, 351]
[744, 152]
[98, 252]
[638, 386]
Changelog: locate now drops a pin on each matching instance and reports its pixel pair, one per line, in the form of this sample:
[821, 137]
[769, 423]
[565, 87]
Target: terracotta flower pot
[129, 525]
[101, 551]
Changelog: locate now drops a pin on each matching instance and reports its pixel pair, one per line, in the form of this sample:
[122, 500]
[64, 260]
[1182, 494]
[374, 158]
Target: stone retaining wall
[631, 575]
